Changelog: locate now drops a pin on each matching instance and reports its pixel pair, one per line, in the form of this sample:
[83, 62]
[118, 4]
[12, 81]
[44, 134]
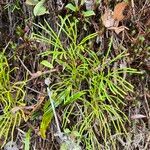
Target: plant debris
[111, 18]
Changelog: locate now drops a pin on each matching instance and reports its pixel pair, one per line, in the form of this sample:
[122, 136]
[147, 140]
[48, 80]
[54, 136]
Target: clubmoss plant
[88, 88]
[11, 99]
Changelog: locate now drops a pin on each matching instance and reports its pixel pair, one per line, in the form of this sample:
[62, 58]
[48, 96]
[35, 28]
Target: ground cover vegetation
[74, 74]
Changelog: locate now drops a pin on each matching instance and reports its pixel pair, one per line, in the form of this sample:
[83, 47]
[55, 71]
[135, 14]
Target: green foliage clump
[88, 88]
[11, 101]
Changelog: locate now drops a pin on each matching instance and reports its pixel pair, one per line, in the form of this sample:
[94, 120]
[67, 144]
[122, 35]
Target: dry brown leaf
[107, 18]
[111, 19]
[119, 11]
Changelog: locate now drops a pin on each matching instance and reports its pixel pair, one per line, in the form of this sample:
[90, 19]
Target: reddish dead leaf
[111, 20]
[120, 11]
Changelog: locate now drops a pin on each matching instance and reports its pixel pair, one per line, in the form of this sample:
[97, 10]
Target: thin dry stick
[59, 133]
[37, 74]
[25, 66]
[146, 2]
[53, 107]
[147, 105]
[133, 7]
[34, 90]
[7, 45]
[68, 141]
[147, 142]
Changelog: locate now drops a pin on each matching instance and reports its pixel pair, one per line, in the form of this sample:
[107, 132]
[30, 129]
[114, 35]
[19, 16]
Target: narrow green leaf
[88, 13]
[74, 97]
[67, 131]
[47, 64]
[47, 117]
[27, 140]
[40, 9]
[75, 133]
[71, 7]
[31, 2]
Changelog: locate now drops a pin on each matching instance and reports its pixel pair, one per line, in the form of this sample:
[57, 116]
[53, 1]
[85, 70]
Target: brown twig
[24, 66]
[38, 73]
[133, 8]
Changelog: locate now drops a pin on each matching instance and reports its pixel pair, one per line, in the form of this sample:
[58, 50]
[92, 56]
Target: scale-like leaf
[71, 7]
[47, 64]
[40, 9]
[88, 13]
